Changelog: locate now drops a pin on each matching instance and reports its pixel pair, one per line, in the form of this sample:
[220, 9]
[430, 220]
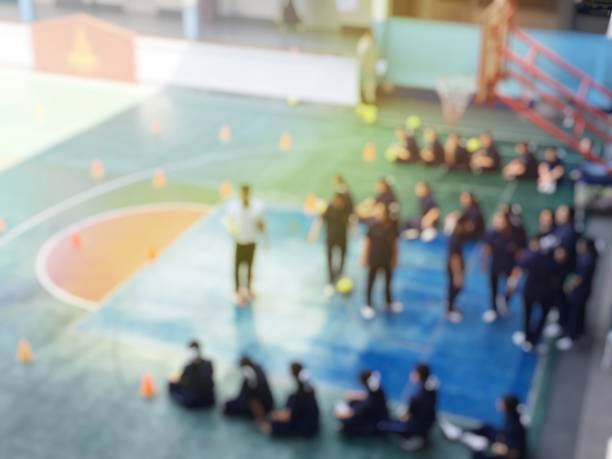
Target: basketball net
[455, 93]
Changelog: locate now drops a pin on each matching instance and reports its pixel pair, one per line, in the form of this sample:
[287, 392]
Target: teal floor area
[79, 399]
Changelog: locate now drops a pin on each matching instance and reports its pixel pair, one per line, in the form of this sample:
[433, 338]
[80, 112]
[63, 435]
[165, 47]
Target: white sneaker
[553, 316]
[454, 317]
[450, 431]
[518, 338]
[329, 290]
[368, 312]
[411, 234]
[527, 346]
[396, 307]
[552, 330]
[489, 316]
[565, 344]
[429, 235]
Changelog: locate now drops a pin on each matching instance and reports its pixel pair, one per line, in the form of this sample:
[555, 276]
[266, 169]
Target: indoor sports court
[130, 131]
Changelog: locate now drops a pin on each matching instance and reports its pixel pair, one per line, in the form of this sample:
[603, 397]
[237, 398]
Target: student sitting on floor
[408, 151]
[471, 213]
[195, 388]
[524, 167]
[578, 291]
[420, 416]
[487, 159]
[487, 442]
[361, 412]
[385, 194]
[456, 156]
[254, 401]
[433, 153]
[300, 416]
[426, 225]
[550, 172]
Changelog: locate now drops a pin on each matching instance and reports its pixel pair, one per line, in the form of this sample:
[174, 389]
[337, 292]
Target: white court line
[63, 295]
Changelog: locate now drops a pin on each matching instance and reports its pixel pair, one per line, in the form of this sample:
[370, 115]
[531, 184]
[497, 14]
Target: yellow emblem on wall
[82, 58]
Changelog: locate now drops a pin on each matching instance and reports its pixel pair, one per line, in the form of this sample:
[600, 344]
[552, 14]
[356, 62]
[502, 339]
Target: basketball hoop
[455, 93]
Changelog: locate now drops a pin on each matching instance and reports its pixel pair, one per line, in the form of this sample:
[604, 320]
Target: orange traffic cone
[2, 226]
[310, 206]
[159, 179]
[96, 170]
[225, 190]
[369, 153]
[76, 241]
[286, 142]
[24, 352]
[152, 254]
[147, 386]
[225, 133]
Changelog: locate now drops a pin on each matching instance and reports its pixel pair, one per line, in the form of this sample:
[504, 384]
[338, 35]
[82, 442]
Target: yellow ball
[473, 144]
[413, 122]
[391, 154]
[344, 286]
[370, 114]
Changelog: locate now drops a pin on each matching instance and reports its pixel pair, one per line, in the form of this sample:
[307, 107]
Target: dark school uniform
[512, 434]
[304, 419]
[502, 248]
[367, 414]
[196, 387]
[422, 408]
[475, 223]
[412, 148]
[551, 165]
[437, 151]
[255, 388]
[425, 204]
[493, 153]
[567, 236]
[577, 298]
[530, 163]
[460, 160]
[383, 239]
[336, 222]
[455, 251]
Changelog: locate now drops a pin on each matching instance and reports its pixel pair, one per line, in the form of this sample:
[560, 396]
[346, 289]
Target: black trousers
[335, 265]
[453, 292]
[372, 273]
[494, 277]
[245, 253]
[533, 333]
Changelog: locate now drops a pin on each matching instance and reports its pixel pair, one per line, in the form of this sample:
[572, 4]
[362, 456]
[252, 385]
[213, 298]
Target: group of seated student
[360, 413]
[454, 155]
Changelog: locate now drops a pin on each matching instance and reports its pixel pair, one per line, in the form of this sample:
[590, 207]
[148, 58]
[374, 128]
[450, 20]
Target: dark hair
[511, 403]
[423, 371]
[245, 361]
[194, 344]
[366, 378]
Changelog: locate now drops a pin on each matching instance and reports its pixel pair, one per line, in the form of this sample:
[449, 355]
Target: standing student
[426, 224]
[509, 442]
[565, 232]
[361, 413]
[514, 214]
[342, 188]
[300, 416]
[433, 153]
[195, 388]
[455, 155]
[455, 268]
[578, 291]
[524, 167]
[550, 172]
[487, 159]
[246, 222]
[380, 254]
[420, 415]
[546, 230]
[385, 194]
[474, 222]
[538, 292]
[500, 249]
[367, 54]
[255, 400]
[336, 220]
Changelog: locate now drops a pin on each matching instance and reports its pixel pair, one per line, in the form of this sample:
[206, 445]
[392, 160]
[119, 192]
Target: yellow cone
[369, 153]
[96, 170]
[159, 179]
[286, 142]
[225, 190]
[225, 133]
[24, 352]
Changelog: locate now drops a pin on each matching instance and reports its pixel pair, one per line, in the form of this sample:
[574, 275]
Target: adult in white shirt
[245, 222]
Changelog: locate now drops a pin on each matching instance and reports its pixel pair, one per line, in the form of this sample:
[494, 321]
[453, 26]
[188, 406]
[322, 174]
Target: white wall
[16, 48]
[250, 71]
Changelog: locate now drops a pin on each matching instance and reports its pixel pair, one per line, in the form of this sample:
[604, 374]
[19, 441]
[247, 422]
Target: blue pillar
[27, 10]
[191, 19]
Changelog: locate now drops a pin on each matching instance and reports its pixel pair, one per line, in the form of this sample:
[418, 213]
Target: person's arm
[315, 229]
[429, 219]
[558, 172]
[513, 280]
[257, 409]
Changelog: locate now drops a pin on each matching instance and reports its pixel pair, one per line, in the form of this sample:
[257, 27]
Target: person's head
[501, 221]
[467, 199]
[521, 148]
[551, 154]
[453, 139]
[534, 244]
[245, 361]
[509, 405]
[560, 255]
[486, 139]
[299, 374]
[382, 186]
[585, 146]
[422, 189]
[339, 181]
[420, 374]
[546, 219]
[563, 215]
[430, 134]
[194, 348]
[370, 380]
[245, 194]
[401, 133]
